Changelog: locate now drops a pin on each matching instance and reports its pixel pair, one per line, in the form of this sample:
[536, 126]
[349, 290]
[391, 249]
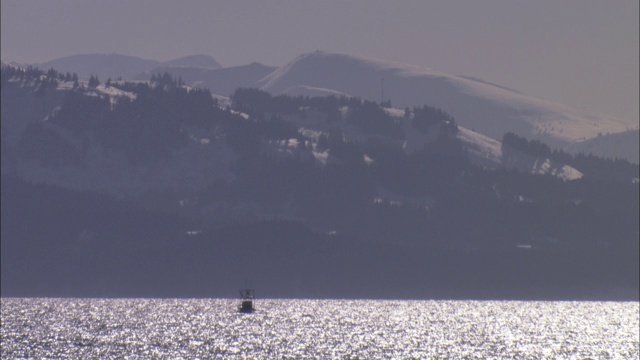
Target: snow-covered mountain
[487, 108]
[482, 150]
[478, 105]
[206, 158]
[163, 175]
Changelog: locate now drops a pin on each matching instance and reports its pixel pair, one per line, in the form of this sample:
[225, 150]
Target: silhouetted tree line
[372, 118]
[591, 166]
[368, 115]
[51, 76]
[425, 117]
[147, 127]
[256, 102]
[93, 81]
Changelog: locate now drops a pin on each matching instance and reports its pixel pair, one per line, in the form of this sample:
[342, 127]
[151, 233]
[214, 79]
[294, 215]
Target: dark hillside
[163, 192]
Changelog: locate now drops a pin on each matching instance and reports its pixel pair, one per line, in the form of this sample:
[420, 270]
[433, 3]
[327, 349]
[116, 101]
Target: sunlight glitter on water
[328, 329]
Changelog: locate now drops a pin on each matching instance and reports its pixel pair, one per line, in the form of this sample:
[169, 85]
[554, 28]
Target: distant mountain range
[623, 145]
[135, 188]
[221, 81]
[115, 65]
[481, 106]
[196, 164]
[487, 108]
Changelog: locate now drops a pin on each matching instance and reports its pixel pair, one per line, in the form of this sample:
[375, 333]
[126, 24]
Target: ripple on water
[154, 328]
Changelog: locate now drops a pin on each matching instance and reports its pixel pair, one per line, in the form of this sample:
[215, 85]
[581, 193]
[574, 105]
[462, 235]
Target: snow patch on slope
[311, 91]
[489, 153]
[483, 150]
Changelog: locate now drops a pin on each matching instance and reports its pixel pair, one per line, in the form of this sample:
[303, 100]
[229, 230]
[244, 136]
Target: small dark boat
[247, 301]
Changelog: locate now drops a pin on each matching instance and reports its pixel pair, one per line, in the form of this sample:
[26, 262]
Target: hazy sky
[580, 52]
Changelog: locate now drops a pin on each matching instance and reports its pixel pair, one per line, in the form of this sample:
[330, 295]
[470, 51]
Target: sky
[583, 53]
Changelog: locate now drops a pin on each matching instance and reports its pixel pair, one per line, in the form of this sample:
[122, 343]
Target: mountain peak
[489, 108]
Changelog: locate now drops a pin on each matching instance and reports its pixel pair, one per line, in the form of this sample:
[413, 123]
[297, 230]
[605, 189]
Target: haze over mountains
[622, 145]
[154, 188]
[222, 81]
[486, 108]
[120, 66]
[489, 109]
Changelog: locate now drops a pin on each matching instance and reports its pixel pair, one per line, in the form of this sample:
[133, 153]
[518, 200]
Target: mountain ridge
[222, 81]
[476, 104]
[115, 65]
[198, 60]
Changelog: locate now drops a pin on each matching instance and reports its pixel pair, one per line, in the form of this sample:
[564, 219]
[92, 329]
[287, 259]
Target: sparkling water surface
[326, 329]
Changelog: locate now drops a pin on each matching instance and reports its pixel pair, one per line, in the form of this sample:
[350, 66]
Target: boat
[247, 301]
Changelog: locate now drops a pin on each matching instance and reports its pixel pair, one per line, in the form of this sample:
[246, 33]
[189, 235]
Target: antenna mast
[381, 91]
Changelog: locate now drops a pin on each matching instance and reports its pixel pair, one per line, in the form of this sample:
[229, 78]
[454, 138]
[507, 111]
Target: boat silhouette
[246, 295]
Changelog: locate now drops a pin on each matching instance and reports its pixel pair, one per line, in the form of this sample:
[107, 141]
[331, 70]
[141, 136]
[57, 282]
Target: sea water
[325, 329]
